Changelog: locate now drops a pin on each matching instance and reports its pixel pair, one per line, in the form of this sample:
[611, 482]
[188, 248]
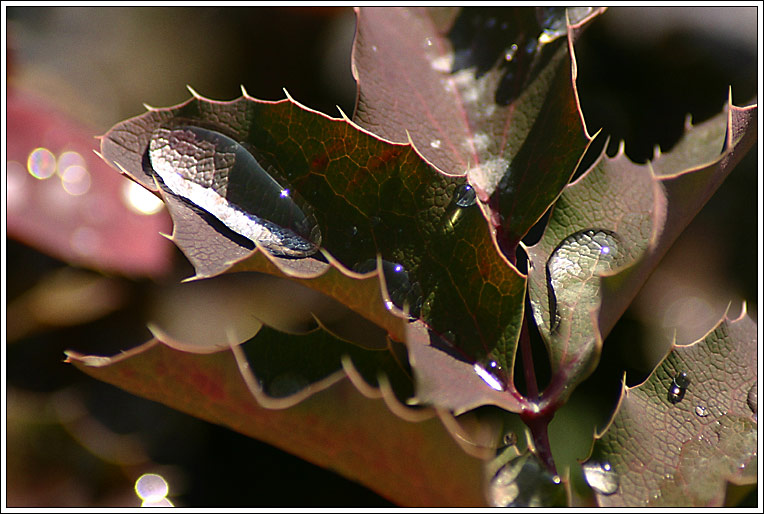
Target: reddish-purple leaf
[691, 427]
[64, 201]
[485, 92]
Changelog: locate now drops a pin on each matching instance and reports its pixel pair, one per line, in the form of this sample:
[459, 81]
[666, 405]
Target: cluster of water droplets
[678, 388]
[221, 176]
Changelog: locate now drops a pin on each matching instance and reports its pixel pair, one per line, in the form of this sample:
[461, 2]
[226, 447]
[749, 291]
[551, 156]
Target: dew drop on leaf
[601, 477]
[678, 387]
[464, 196]
[403, 294]
[220, 176]
[701, 411]
[524, 482]
[577, 260]
[753, 399]
[509, 439]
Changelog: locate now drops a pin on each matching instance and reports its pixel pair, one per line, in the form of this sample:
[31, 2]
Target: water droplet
[403, 294]
[221, 176]
[601, 477]
[678, 387]
[490, 374]
[464, 196]
[701, 411]
[509, 439]
[428, 41]
[753, 399]
[435, 143]
[510, 53]
[524, 482]
[573, 270]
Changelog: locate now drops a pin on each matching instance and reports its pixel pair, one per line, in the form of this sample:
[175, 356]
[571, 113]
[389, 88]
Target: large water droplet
[464, 196]
[678, 387]
[221, 176]
[573, 270]
[524, 482]
[753, 399]
[601, 477]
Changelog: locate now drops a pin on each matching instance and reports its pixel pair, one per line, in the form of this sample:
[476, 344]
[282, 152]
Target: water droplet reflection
[701, 411]
[577, 260]
[601, 477]
[222, 177]
[435, 143]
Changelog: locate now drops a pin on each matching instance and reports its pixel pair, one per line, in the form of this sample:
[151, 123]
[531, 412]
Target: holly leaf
[691, 427]
[609, 230]
[362, 196]
[335, 428]
[486, 92]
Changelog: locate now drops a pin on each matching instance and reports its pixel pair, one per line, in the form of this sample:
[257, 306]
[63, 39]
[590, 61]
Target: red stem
[528, 369]
[536, 419]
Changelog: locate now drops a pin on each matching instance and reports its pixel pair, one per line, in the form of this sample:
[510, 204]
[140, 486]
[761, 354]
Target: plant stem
[528, 370]
[536, 420]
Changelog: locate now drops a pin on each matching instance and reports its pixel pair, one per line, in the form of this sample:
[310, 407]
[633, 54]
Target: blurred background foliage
[73, 72]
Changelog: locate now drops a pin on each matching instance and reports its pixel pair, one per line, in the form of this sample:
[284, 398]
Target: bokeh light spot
[138, 199]
[85, 241]
[41, 163]
[70, 158]
[16, 184]
[76, 180]
[151, 488]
